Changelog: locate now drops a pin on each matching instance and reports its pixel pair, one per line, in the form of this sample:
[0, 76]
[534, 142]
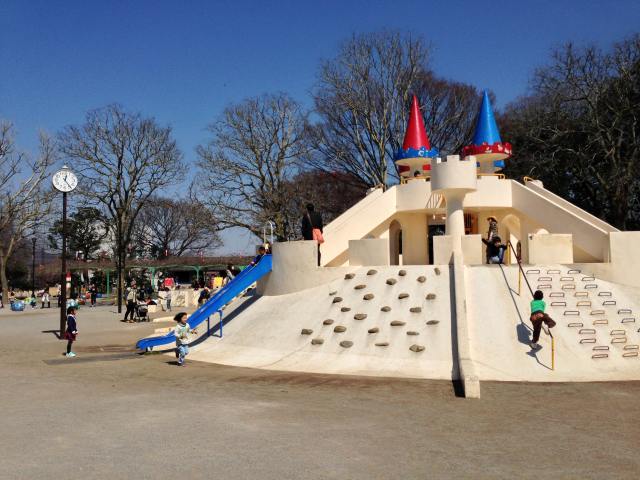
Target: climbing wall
[383, 321]
[596, 336]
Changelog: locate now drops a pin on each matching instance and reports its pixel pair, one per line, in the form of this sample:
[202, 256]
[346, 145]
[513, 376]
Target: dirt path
[111, 414]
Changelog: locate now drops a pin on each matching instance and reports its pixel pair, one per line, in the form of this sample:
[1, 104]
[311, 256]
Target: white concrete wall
[550, 248]
[356, 223]
[624, 262]
[415, 249]
[442, 250]
[369, 251]
[472, 250]
[557, 218]
[454, 174]
[295, 268]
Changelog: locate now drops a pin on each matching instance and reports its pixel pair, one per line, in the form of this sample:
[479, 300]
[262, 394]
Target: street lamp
[33, 267]
[64, 181]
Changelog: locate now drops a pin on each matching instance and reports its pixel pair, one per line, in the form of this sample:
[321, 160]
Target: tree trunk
[119, 266]
[3, 281]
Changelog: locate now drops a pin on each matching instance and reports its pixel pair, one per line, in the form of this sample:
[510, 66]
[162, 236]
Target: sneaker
[71, 354]
[535, 346]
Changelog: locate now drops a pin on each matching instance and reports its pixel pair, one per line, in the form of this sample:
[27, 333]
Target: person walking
[72, 330]
[168, 298]
[93, 293]
[538, 317]
[131, 304]
[46, 298]
[312, 227]
[229, 274]
[181, 333]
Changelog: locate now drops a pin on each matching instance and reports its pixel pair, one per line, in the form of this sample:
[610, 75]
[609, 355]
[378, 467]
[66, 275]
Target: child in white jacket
[182, 337]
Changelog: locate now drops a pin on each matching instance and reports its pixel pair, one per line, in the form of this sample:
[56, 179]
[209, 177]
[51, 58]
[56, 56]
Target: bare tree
[362, 100]
[122, 159]
[168, 227]
[23, 197]
[255, 150]
[579, 130]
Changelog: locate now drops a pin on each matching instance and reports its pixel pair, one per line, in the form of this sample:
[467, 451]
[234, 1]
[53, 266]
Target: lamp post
[64, 181]
[33, 266]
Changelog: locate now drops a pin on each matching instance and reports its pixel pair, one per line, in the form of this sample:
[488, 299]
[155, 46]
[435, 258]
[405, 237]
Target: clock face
[65, 180]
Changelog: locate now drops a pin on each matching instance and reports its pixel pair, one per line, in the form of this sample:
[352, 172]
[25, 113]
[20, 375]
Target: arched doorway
[395, 242]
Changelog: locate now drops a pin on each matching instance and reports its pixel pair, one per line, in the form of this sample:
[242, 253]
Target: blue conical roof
[486, 127]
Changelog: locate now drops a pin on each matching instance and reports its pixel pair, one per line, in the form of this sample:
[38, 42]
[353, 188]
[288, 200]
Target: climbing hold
[306, 331]
[433, 322]
[372, 272]
[415, 309]
[431, 296]
[412, 333]
[317, 341]
[359, 287]
[422, 279]
[360, 316]
[416, 348]
[331, 294]
[346, 343]
[345, 309]
[397, 323]
[391, 281]
[337, 300]
[385, 309]
[403, 295]
[373, 330]
[349, 276]
[402, 273]
[340, 329]
[328, 321]
[368, 296]
[382, 344]
[437, 270]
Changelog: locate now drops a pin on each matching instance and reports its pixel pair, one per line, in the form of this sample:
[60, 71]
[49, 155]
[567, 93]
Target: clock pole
[63, 276]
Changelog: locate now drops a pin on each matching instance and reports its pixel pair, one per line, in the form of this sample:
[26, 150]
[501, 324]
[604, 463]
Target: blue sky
[182, 62]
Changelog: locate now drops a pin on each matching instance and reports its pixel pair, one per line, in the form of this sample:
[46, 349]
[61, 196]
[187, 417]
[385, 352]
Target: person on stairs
[538, 317]
[312, 226]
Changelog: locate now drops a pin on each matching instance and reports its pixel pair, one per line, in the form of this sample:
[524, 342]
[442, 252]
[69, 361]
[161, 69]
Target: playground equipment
[214, 305]
[395, 297]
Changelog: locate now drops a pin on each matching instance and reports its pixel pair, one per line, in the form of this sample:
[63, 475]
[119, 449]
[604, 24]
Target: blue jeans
[182, 351]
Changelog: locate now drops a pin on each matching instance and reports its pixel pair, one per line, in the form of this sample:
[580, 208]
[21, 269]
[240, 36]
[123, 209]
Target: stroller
[141, 313]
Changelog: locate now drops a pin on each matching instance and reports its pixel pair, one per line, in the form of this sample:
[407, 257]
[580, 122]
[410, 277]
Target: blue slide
[226, 294]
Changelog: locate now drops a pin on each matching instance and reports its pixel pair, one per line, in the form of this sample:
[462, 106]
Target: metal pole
[63, 275]
[33, 267]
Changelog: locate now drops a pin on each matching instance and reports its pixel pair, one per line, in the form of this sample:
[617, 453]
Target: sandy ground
[112, 414]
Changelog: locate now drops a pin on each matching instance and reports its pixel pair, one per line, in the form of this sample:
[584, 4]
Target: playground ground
[111, 414]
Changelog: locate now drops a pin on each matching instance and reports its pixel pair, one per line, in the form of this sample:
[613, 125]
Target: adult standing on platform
[312, 226]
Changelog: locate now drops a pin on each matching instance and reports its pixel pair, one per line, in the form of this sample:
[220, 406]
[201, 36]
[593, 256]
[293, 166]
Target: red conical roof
[416, 135]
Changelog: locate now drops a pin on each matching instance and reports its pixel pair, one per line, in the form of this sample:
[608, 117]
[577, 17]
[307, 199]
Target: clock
[64, 180]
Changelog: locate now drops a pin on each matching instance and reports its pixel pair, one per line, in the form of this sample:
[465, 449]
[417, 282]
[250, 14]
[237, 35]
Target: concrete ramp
[596, 334]
[590, 233]
[380, 321]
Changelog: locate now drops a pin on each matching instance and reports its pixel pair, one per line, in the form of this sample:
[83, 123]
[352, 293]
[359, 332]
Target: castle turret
[487, 146]
[414, 158]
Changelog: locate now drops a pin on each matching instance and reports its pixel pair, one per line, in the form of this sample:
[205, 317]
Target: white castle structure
[404, 289]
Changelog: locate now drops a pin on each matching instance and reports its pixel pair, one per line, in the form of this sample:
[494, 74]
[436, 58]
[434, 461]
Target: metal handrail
[545, 330]
[501, 176]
